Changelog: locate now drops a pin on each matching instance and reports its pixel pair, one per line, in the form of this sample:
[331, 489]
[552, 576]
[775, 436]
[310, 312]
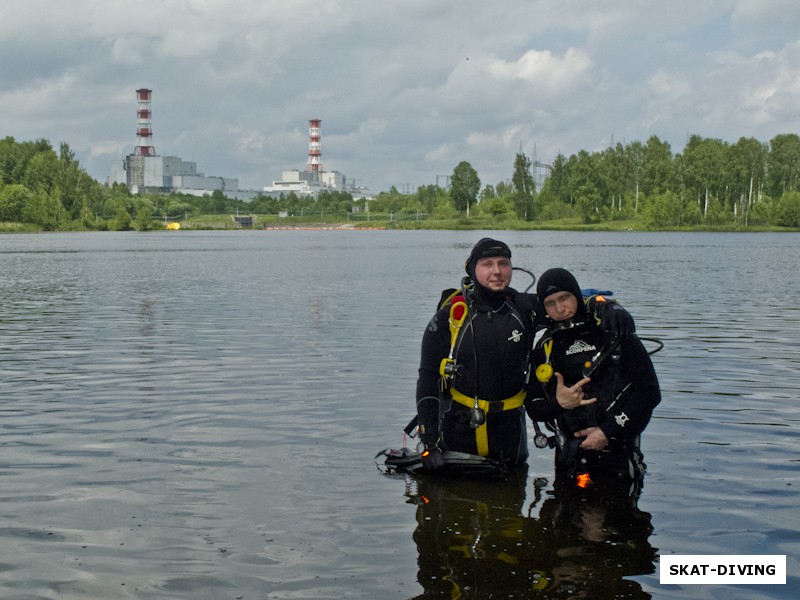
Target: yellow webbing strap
[455, 322]
[481, 433]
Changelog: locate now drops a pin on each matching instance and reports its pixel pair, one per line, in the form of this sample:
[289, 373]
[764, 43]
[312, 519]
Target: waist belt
[488, 406]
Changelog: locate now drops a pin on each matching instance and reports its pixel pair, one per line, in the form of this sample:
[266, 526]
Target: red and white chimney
[314, 151]
[144, 130]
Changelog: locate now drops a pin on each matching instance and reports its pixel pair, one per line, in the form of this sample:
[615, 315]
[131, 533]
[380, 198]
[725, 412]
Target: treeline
[711, 183]
[48, 189]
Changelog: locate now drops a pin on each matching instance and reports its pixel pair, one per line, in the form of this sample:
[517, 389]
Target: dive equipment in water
[456, 464]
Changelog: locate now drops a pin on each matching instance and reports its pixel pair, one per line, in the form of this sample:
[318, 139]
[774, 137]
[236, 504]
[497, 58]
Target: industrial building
[315, 178]
[305, 183]
[144, 171]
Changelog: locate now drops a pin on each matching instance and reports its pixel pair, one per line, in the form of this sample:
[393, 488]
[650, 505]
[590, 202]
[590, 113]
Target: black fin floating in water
[456, 464]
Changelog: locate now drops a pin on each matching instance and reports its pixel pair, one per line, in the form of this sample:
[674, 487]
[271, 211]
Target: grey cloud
[405, 90]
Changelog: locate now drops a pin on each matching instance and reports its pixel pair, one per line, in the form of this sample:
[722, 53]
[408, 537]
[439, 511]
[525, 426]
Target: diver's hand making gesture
[572, 397]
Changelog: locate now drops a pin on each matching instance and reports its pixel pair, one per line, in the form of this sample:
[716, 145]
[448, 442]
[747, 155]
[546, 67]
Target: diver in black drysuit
[624, 383]
[492, 355]
[492, 359]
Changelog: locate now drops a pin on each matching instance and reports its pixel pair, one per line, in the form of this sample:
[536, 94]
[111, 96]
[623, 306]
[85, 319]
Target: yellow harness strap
[458, 313]
[481, 433]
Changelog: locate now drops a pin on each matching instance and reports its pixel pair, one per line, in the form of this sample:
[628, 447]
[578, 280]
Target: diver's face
[493, 273]
[561, 306]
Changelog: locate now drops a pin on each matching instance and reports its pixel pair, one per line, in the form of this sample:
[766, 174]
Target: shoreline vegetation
[711, 186]
[273, 223]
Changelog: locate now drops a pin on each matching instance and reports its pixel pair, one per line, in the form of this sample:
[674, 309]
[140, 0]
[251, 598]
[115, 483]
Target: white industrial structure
[307, 183]
[315, 178]
[144, 171]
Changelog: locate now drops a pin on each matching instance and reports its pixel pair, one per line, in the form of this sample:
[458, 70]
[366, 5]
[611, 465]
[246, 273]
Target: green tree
[657, 166]
[634, 159]
[746, 173]
[524, 187]
[551, 207]
[117, 197]
[761, 213]
[669, 210]
[430, 196]
[179, 208]
[585, 184]
[614, 168]
[41, 171]
[662, 211]
[144, 215]
[444, 208]
[45, 209]
[388, 202]
[219, 202]
[13, 200]
[704, 163]
[15, 157]
[788, 210]
[588, 199]
[122, 220]
[784, 164]
[67, 174]
[557, 183]
[497, 208]
[503, 190]
[464, 186]
[265, 205]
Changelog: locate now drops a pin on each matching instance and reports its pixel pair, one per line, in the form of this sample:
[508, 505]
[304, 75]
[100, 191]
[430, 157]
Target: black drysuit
[626, 388]
[491, 354]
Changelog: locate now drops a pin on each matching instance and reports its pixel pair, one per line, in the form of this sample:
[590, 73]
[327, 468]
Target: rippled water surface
[195, 415]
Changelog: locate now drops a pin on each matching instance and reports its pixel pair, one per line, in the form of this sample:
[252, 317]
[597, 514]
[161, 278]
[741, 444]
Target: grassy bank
[338, 221]
[8, 227]
[568, 225]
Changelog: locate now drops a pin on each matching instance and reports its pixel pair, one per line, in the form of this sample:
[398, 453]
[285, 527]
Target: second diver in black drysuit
[603, 437]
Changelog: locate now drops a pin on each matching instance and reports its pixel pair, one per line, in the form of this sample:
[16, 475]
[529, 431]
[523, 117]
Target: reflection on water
[195, 415]
[486, 539]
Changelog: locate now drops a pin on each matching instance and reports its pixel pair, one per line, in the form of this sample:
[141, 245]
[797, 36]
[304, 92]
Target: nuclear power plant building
[144, 171]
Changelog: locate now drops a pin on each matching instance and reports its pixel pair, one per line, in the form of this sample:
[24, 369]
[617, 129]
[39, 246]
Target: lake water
[195, 415]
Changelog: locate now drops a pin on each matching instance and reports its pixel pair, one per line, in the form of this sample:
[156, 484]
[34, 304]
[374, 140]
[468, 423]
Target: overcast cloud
[406, 89]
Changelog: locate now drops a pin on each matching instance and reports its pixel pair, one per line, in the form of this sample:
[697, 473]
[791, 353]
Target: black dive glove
[613, 318]
[432, 457]
[568, 457]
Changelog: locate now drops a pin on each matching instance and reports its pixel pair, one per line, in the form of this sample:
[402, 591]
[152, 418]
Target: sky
[405, 89]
